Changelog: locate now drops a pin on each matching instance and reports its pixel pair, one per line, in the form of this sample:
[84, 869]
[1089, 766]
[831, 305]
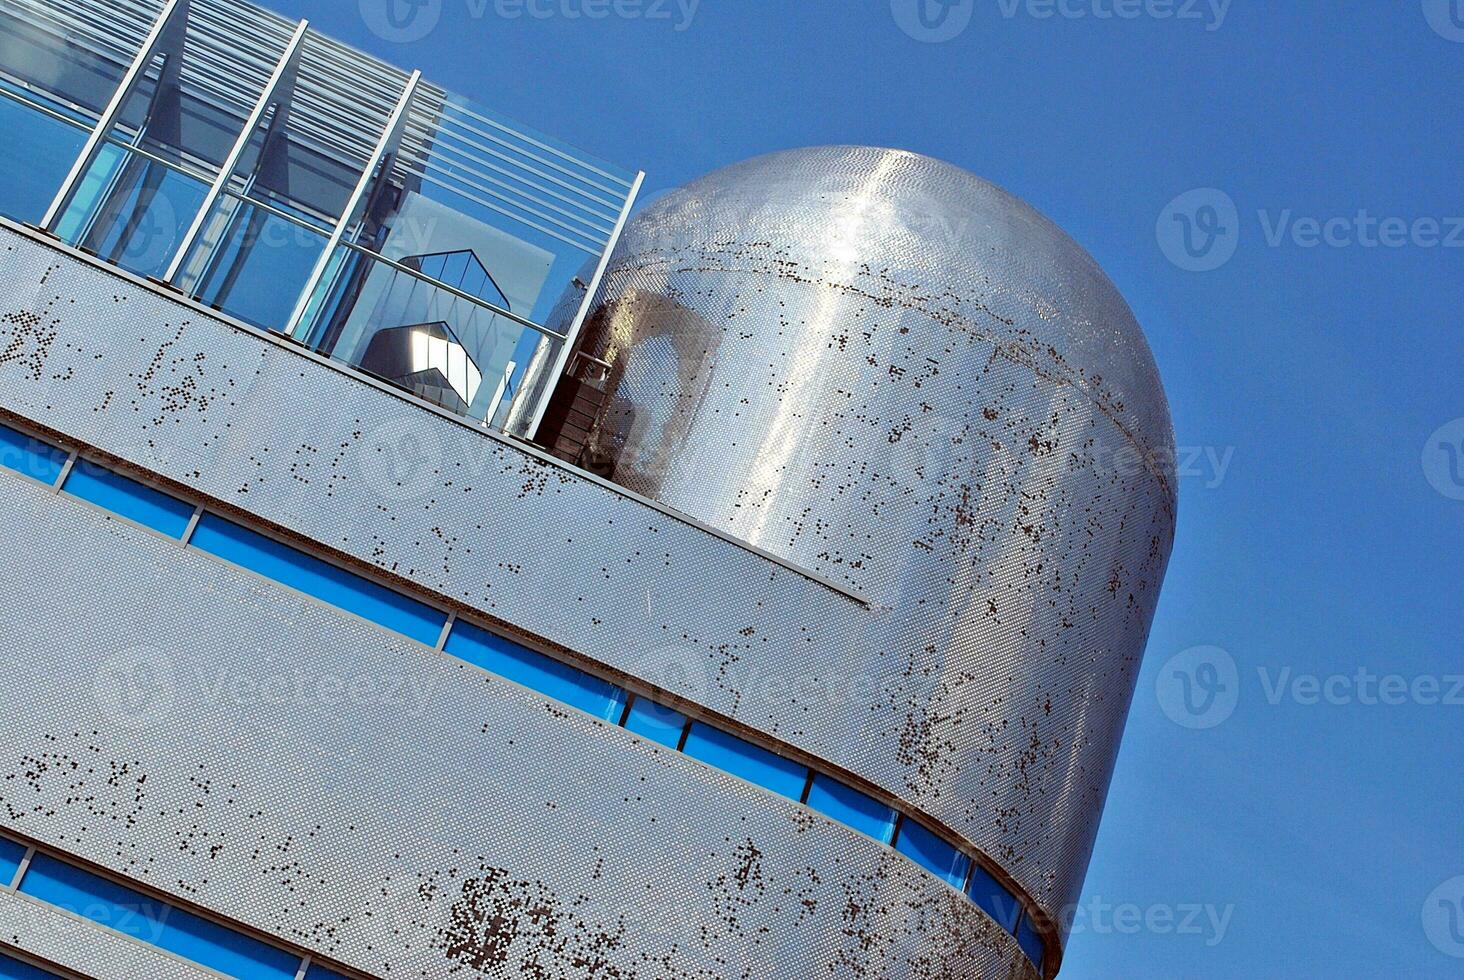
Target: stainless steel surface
[388, 807]
[890, 371]
[1007, 749]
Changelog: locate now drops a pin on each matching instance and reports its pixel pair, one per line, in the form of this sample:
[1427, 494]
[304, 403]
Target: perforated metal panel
[243, 748]
[1000, 723]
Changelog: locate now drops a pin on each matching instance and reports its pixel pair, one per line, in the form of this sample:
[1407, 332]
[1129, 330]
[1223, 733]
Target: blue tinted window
[656, 722]
[11, 854]
[83, 893]
[932, 853]
[317, 578]
[37, 460]
[155, 923]
[993, 899]
[35, 156]
[852, 808]
[756, 765]
[1030, 941]
[224, 950]
[534, 670]
[16, 970]
[321, 973]
[133, 500]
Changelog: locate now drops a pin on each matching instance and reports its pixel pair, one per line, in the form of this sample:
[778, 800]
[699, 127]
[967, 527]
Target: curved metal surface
[887, 370]
[381, 804]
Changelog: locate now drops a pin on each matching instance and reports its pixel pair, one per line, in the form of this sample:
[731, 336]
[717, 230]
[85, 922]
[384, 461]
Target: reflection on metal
[279, 91]
[169, 22]
[885, 369]
[555, 367]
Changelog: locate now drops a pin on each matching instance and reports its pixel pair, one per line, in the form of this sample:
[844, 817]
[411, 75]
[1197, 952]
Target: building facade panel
[240, 747]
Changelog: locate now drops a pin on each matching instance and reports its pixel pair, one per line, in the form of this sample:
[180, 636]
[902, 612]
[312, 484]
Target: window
[317, 578]
[132, 500]
[11, 969]
[1031, 941]
[30, 457]
[534, 670]
[851, 807]
[656, 722]
[756, 765]
[11, 854]
[321, 973]
[932, 853]
[993, 899]
[155, 923]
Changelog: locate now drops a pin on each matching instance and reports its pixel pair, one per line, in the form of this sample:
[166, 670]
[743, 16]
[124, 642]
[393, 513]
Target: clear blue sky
[1315, 831]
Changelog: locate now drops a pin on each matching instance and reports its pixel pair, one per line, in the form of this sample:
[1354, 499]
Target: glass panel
[91, 897]
[35, 156]
[72, 62]
[1031, 941]
[11, 854]
[993, 899]
[11, 969]
[155, 923]
[536, 671]
[753, 763]
[438, 341]
[251, 263]
[535, 211]
[932, 853]
[321, 973]
[30, 457]
[131, 211]
[656, 722]
[852, 808]
[317, 578]
[132, 500]
[218, 948]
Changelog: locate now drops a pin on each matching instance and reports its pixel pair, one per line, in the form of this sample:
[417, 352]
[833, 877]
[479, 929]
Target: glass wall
[301, 186]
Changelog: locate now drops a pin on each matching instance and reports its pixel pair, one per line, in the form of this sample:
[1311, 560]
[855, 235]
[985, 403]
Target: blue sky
[1292, 829]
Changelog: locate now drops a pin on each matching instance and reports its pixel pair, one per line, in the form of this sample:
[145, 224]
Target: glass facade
[303, 187]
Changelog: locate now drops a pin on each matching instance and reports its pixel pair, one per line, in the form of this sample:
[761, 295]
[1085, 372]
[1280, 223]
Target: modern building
[415, 566]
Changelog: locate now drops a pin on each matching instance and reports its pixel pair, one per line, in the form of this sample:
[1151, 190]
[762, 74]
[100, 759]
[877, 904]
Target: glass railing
[131, 208]
[252, 260]
[303, 187]
[41, 142]
[447, 343]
